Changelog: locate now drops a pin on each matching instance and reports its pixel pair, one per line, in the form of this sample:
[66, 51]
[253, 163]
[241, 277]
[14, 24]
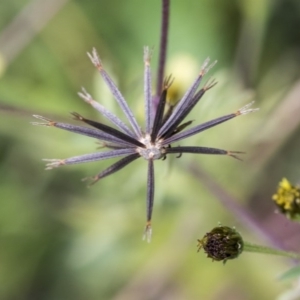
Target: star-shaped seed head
[163, 127]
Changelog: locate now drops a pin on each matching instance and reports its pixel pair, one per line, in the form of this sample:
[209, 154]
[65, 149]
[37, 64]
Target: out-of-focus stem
[248, 247]
[25, 26]
[232, 205]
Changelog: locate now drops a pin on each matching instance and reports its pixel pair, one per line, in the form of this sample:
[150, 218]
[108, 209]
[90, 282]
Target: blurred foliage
[60, 240]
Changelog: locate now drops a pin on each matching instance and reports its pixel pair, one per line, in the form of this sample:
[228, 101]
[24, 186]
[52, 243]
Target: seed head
[222, 243]
[163, 127]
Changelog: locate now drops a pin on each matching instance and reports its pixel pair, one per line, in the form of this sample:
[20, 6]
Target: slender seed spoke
[203, 150]
[116, 93]
[150, 200]
[182, 114]
[107, 114]
[185, 100]
[113, 168]
[54, 163]
[160, 109]
[83, 131]
[114, 132]
[199, 128]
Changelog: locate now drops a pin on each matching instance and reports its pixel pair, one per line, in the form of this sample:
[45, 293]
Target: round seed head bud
[222, 243]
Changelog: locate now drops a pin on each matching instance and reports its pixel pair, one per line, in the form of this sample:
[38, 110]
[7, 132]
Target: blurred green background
[62, 240]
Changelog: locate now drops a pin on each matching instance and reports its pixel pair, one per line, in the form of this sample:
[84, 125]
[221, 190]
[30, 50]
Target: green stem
[267, 250]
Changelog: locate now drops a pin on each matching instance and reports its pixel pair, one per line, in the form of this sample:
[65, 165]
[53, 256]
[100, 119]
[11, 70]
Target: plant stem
[163, 46]
[267, 250]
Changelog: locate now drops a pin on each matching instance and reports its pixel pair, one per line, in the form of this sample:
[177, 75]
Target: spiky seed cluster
[163, 127]
[222, 243]
[287, 199]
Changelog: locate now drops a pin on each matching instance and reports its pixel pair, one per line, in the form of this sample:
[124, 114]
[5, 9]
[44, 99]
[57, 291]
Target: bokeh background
[62, 240]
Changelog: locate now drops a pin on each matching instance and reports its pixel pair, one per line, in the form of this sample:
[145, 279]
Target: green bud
[222, 243]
